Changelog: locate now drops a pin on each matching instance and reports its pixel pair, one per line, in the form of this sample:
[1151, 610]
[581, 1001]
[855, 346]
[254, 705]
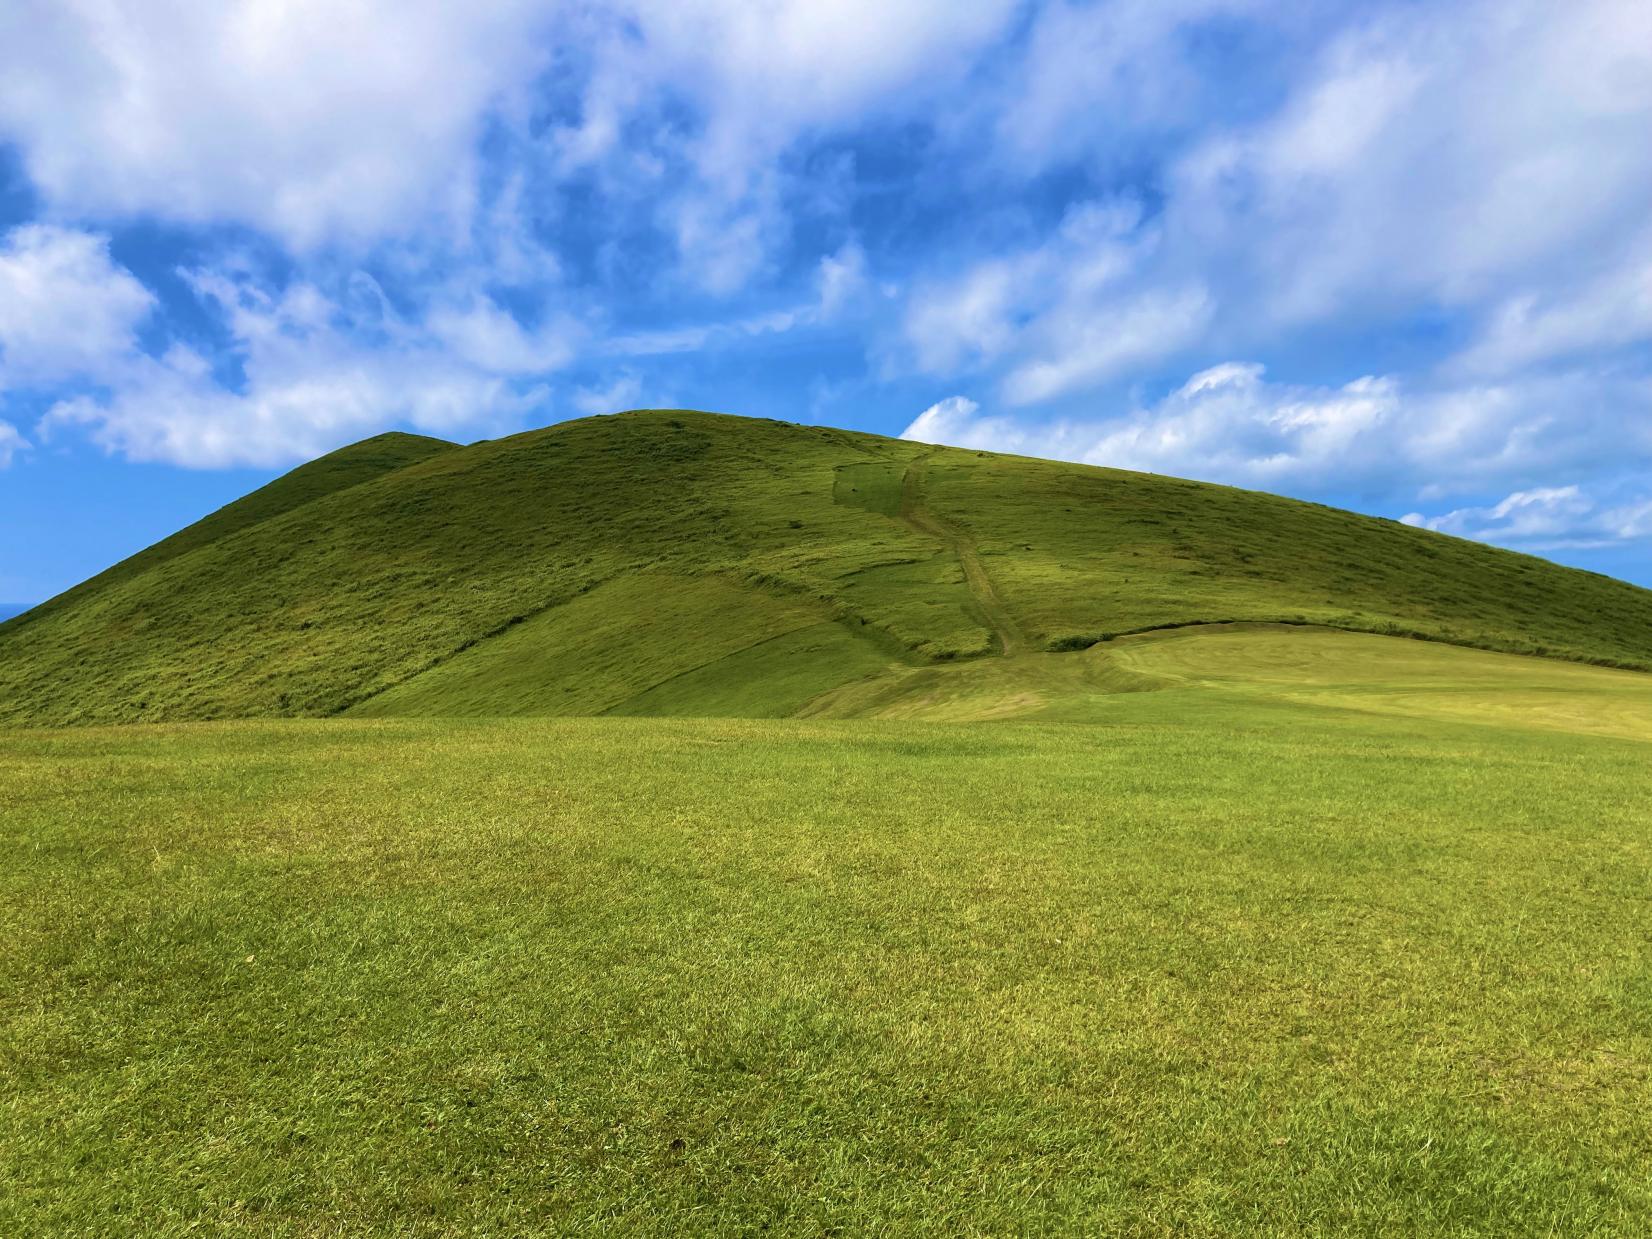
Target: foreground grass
[1283, 967]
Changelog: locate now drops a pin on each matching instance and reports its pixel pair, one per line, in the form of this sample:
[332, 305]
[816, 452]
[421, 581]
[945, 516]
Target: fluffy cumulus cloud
[1372, 436]
[301, 117]
[1243, 429]
[1479, 157]
[1227, 423]
[953, 422]
[66, 309]
[434, 146]
[1548, 518]
[247, 231]
[319, 122]
[314, 372]
[1472, 168]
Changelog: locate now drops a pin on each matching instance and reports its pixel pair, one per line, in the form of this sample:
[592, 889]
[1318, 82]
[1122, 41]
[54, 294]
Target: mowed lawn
[1254, 965]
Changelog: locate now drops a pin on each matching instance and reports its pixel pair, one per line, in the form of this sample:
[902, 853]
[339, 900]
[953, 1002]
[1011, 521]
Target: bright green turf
[332, 591]
[602, 649]
[1380, 674]
[773, 679]
[875, 487]
[1226, 961]
[1315, 666]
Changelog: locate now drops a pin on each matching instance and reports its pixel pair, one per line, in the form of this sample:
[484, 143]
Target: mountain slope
[326, 475]
[679, 562]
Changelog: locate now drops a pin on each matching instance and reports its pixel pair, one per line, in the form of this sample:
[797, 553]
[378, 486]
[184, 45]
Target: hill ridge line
[178, 545]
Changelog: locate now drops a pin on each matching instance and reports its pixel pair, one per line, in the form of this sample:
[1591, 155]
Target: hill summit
[677, 562]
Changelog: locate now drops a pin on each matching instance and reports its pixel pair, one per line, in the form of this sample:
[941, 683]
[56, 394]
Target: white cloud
[707, 336]
[1084, 341]
[1370, 435]
[1063, 315]
[1488, 159]
[1548, 518]
[491, 339]
[1541, 429]
[292, 408]
[1609, 309]
[967, 320]
[723, 244]
[764, 74]
[504, 244]
[724, 89]
[1480, 168]
[1228, 423]
[1442, 153]
[304, 118]
[1093, 77]
[315, 374]
[951, 421]
[66, 309]
[625, 392]
[10, 443]
[842, 278]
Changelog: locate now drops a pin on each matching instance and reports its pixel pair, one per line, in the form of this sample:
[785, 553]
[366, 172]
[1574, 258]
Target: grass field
[729, 827]
[1297, 949]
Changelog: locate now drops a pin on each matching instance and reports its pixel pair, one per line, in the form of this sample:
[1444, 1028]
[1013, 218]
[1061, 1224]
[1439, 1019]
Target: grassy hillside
[1225, 961]
[1284, 665]
[326, 475]
[688, 563]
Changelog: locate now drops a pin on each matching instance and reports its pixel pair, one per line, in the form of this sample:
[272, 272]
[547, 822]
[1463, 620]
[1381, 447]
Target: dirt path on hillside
[1011, 639]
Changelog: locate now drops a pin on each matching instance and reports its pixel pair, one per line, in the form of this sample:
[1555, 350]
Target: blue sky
[1396, 257]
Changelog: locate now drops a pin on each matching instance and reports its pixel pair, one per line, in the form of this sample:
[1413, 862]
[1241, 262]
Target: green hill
[671, 562]
[327, 475]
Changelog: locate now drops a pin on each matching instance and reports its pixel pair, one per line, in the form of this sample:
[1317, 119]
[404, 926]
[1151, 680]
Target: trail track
[1011, 640]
